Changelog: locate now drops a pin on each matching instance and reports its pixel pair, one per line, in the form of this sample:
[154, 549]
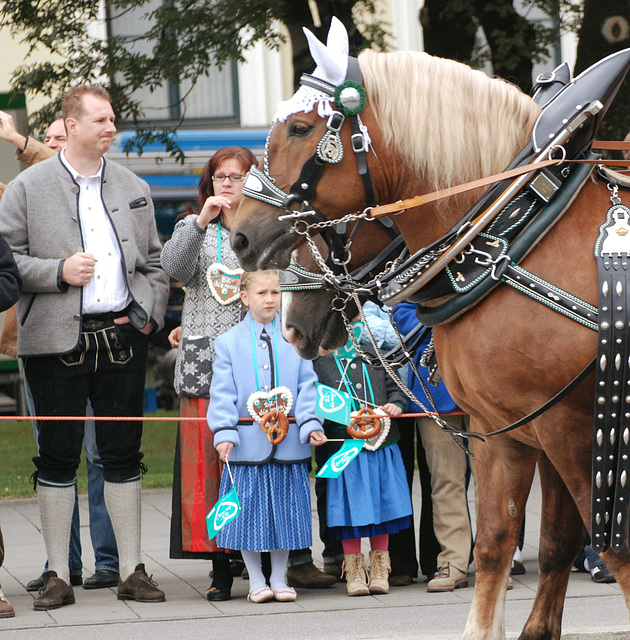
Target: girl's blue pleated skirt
[370, 497]
[275, 507]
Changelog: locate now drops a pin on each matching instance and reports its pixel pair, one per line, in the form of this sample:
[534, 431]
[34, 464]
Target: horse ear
[338, 36]
[332, 58]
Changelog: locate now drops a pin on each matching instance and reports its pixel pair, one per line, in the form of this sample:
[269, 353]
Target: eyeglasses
[233, 177]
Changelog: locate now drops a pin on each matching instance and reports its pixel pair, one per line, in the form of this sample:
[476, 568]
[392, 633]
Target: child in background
[370, 499]
[257, 372]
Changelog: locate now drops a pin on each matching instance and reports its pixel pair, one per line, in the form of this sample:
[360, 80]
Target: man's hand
[78, 269]
[148, 327]
[175, 336]
[8, 131]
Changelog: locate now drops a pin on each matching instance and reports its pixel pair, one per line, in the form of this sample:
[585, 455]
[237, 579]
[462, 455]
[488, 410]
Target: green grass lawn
[18, 446]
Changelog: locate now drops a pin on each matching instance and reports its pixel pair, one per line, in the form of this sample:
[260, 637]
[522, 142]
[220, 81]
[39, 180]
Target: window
[213, 98]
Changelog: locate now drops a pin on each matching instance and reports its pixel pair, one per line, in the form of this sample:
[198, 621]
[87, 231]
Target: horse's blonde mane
[449, 122]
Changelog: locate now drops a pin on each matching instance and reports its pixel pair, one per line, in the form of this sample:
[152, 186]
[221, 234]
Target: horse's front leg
[505, 469]
[561, 536]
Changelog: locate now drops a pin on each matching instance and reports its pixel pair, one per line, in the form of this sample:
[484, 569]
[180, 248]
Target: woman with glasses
[199, 255]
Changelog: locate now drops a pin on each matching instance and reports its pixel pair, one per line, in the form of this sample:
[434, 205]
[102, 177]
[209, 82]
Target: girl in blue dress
[257, 373]
[370, 499]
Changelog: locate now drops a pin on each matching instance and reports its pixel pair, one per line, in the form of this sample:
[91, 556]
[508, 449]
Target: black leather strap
[611, 431]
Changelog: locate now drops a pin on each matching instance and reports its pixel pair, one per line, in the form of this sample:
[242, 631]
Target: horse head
[309, 320]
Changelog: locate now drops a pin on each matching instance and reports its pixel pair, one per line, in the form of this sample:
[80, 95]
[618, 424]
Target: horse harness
[484, 249]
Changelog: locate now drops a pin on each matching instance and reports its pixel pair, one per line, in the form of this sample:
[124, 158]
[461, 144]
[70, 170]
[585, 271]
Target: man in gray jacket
[83, 235]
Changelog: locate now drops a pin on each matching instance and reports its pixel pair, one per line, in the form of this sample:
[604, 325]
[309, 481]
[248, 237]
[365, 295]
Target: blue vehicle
[174, 184]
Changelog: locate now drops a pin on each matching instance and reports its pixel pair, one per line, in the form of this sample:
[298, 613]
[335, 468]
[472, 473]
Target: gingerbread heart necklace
[270, 408]
[369, 424]
[224, 282]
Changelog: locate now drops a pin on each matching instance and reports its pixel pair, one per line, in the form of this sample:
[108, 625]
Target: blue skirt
[275, 508]
[370, 497]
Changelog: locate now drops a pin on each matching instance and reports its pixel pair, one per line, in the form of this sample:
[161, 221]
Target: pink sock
[352, 546]
[379, 543]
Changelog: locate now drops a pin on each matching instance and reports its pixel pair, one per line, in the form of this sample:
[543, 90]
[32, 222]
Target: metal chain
[423, 262]
[327, 273]
[454, 433]
[324, 224]
[428, 352]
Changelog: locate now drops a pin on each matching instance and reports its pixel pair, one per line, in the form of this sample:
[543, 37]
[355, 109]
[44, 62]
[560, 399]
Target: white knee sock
[123, 505]
[56, 505]
[279, 561]
[253, 562]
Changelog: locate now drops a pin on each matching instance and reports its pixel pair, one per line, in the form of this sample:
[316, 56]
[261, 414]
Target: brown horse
[435, 123]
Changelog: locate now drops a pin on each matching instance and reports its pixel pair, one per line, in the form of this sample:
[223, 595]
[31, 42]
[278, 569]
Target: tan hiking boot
[379, 571]
[447, 578]
[356, 575]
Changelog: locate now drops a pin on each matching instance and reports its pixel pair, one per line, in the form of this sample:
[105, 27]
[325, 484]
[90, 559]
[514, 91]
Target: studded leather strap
[611, 439]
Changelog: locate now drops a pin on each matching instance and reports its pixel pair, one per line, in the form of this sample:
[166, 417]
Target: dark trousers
[108, 368]
[402, 545]
[333, 548]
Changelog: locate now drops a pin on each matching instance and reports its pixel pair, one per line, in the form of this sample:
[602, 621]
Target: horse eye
[299, 129]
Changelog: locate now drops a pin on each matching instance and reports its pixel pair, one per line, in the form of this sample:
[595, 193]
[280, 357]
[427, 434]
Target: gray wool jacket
[39, 219]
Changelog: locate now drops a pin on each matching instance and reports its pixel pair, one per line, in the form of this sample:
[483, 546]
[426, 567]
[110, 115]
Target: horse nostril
[239, 242]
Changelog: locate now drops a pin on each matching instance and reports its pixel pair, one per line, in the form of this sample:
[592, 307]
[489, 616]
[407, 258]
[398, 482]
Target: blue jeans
[593, 558]
[101, 530]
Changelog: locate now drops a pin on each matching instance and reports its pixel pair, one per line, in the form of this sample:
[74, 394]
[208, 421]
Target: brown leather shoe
[334, 569]
[6, 608]
[400, 580]
[140, 587]
[56, 593]
[308, 576]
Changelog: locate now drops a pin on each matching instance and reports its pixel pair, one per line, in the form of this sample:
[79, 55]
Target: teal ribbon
[347, 381]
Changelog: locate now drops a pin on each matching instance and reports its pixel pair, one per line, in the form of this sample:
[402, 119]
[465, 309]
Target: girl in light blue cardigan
[256, 372]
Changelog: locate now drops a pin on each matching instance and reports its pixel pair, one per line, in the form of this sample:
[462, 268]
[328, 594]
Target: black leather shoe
[218, 594]
[38, 583]
[602, 575]
[102, 579]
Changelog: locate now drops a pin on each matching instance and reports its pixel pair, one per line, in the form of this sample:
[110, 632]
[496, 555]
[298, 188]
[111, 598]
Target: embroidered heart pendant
[260, 403]
[374, 442]
[225, 283]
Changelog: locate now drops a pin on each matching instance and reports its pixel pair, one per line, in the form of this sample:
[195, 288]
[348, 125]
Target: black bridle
[261, 186]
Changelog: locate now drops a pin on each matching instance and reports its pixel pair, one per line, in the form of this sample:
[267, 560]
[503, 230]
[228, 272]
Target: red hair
[206, 186]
